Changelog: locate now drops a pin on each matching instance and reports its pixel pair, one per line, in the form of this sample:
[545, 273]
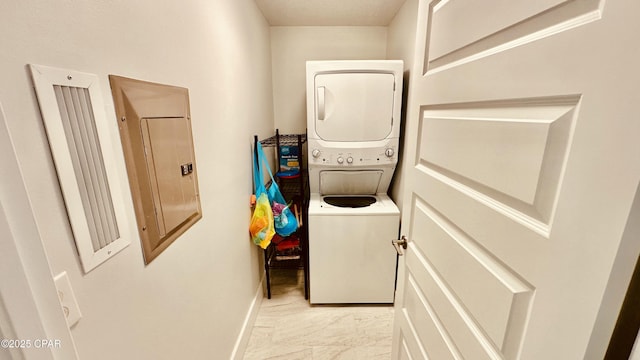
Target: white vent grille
[84, 146]
[83, 150]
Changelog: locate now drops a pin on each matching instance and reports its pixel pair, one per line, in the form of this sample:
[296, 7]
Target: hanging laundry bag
[284, 220]
[261, 226]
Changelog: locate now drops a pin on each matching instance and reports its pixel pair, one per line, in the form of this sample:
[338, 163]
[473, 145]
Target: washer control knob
[389, 152]
[349, 160]
[340, 160]
[315, 153]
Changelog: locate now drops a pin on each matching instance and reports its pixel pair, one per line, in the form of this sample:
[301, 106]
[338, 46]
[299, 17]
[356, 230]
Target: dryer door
[353, 106]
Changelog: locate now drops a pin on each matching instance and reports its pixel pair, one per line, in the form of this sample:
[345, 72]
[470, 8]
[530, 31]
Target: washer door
[353, 106]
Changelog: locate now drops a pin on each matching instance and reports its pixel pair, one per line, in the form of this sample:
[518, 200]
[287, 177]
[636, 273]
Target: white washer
[353, 126]
[351, 259]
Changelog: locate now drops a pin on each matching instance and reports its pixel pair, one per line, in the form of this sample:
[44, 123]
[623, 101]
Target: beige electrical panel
[155, 129]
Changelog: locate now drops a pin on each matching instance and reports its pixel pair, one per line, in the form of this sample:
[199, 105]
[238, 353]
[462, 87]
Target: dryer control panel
[353, 156]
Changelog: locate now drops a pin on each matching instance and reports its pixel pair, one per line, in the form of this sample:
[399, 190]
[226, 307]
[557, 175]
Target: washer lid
[347, 182]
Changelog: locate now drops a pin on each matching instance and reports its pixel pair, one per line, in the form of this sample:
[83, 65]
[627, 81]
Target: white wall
[190, 302]
[400, 45]
[292, 46]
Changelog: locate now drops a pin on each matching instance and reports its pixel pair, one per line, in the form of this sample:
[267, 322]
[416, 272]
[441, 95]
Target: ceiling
[329, 12]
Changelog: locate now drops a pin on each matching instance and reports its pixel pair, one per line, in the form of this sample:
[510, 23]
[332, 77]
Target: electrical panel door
[167, 144]
[155, 128]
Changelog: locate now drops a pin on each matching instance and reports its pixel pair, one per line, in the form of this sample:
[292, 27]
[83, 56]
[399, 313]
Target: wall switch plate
[68, 301]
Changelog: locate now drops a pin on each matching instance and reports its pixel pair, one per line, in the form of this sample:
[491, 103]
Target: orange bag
[261, 226]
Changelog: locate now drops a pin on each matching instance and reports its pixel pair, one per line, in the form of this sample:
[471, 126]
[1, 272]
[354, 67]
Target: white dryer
[353, 126]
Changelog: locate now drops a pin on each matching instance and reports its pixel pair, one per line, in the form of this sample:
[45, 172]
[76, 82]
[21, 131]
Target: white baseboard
[247, 326]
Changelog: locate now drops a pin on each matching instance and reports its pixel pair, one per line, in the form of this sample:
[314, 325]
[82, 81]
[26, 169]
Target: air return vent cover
[83, 151]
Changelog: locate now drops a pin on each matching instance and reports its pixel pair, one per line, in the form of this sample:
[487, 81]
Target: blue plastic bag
[284, 220]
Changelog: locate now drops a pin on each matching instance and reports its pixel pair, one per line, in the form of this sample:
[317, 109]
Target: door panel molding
[424, 323]
[493, 294]
[458, 144]
[460, 326]
[483, 36]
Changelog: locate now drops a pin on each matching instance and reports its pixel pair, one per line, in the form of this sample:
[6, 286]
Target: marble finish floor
[289, 328]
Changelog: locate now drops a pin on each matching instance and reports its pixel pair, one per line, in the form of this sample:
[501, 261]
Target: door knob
[397, 243]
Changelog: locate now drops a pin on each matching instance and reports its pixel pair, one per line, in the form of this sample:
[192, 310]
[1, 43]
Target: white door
[524, 159]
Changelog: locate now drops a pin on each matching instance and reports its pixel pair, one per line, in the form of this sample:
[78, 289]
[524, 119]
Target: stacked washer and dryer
[353, 127]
